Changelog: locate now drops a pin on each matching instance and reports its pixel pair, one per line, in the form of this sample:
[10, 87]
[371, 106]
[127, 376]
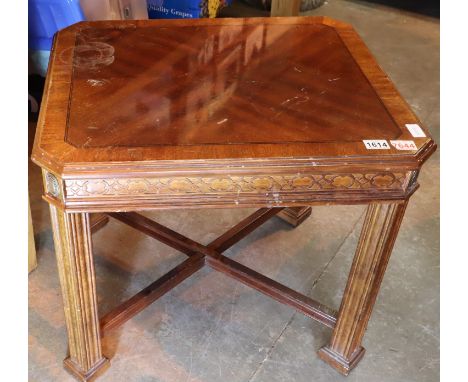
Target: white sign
[376, 144]
[404, 145]
[415, 130]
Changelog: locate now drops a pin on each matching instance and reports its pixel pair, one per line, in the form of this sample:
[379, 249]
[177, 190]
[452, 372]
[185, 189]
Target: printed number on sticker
[404, 145]
[376, 144]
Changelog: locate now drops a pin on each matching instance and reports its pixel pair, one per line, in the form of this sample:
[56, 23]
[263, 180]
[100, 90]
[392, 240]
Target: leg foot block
[295, 215]
[89, 375]
[338, 362]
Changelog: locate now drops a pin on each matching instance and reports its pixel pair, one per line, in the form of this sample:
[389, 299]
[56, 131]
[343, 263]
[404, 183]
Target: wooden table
[275, 113]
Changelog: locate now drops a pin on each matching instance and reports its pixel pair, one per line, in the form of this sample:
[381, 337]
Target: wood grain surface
[190, 93]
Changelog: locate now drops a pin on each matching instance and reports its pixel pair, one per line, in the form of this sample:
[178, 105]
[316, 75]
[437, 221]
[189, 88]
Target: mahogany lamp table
[275, 113]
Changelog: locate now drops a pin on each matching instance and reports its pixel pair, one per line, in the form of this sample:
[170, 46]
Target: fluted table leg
[375, 245]
[73, 251]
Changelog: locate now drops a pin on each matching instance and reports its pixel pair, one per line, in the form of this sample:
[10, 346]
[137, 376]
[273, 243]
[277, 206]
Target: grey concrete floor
[211, 328]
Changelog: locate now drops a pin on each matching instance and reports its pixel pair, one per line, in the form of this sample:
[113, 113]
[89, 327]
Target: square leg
[32, 260]
[73, 250]
[378, 236]
[285, 7]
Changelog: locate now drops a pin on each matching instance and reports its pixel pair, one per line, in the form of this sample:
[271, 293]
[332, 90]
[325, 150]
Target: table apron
[114, 194]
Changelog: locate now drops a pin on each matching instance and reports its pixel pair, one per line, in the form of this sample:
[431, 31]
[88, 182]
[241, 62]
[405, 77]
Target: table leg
[32, 261]
[285, 7]
[295, 215]
[378, 235]
[97, 221]
[72, 238]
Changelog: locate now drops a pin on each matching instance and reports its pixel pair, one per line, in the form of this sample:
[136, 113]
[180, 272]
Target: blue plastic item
[175, 9]
[47, 17]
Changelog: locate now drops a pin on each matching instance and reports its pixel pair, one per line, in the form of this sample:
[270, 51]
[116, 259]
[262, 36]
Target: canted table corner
[276, 113]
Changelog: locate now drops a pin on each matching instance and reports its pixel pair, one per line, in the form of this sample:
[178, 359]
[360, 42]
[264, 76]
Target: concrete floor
[211, 328]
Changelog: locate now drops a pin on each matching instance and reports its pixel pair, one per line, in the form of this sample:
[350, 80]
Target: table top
[141, 94]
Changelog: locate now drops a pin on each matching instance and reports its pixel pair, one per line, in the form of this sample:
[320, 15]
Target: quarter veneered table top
[241, 89]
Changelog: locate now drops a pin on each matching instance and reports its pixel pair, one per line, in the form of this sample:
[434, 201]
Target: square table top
[149, 93]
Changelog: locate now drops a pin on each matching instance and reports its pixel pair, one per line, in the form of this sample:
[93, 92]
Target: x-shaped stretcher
[200, 255]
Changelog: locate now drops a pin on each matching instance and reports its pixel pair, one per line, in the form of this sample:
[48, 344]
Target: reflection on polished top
[219, 84]
[211, 93]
